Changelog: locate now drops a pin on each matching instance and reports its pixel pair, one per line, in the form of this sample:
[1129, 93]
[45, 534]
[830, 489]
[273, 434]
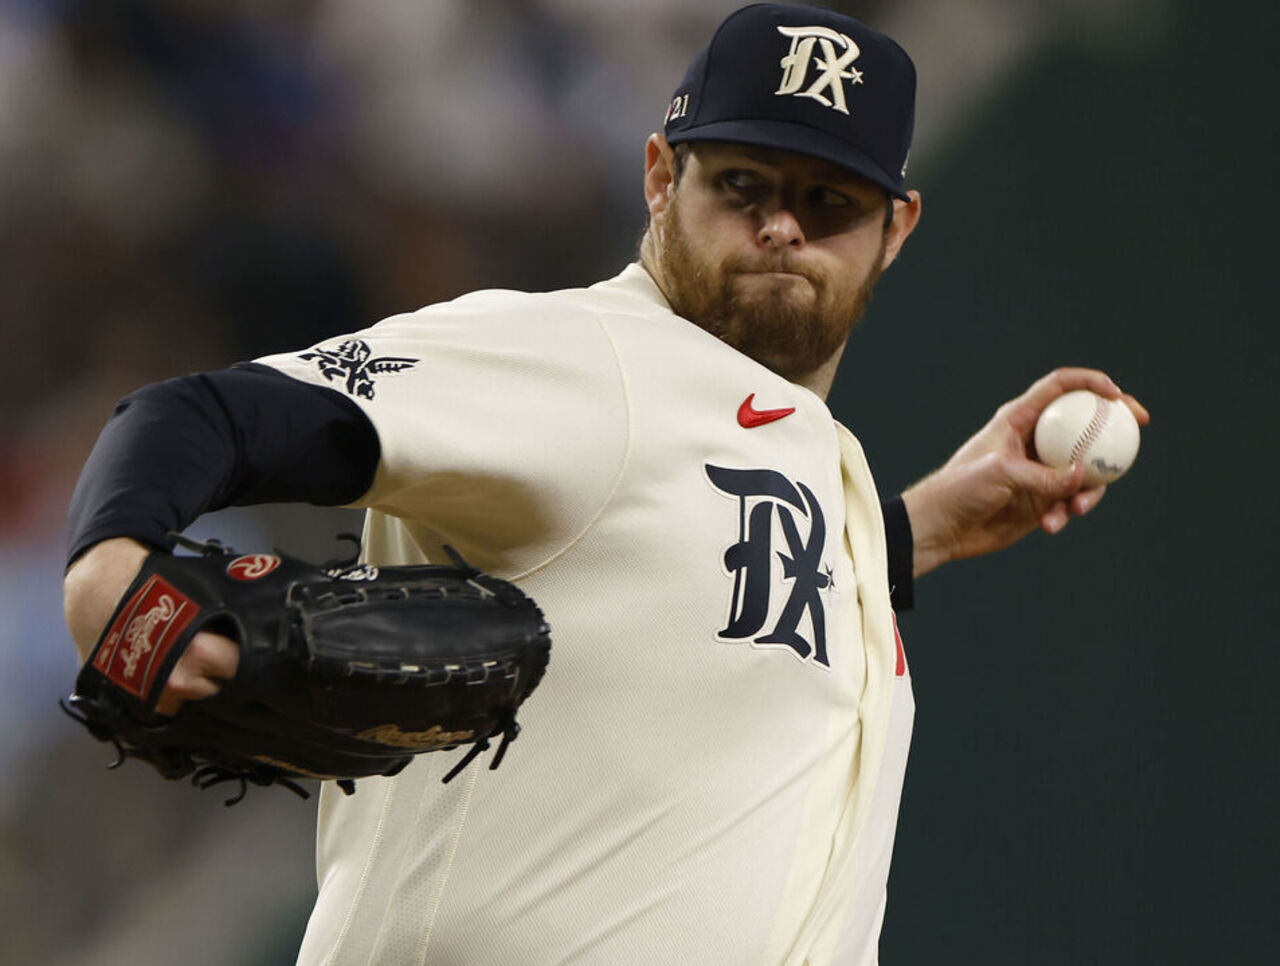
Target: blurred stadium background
[187, 183]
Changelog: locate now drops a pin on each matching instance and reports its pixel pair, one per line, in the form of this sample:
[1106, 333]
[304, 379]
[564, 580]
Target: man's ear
[659, 174]
[906, 214]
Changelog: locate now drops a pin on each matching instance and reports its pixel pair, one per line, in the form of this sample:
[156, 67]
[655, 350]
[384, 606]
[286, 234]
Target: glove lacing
[510, 730]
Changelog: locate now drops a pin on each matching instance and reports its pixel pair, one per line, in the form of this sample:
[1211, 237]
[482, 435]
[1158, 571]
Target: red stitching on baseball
[1101, 416]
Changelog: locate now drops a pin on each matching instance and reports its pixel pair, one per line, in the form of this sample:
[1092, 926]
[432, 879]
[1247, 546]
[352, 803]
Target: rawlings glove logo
[138, 633]
[251, 566]
[142, 634]
[434, 737]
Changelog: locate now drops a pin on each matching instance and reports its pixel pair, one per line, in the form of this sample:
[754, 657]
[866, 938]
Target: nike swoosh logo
[750, 418]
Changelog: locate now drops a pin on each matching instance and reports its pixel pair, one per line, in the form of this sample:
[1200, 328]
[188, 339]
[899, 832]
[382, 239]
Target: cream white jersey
[710, 770]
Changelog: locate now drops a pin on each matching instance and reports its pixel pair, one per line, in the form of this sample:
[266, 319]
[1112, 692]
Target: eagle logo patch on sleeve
[350, 364]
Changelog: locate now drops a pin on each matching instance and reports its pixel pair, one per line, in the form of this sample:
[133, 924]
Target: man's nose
[780, 229]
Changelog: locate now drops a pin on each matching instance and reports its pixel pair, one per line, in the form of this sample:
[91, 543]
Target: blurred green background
[1094, 773]
[1093, 779]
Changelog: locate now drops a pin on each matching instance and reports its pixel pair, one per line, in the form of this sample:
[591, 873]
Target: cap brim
[799, 138]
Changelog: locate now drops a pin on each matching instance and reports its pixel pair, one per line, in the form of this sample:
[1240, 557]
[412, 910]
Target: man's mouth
[772, 270]
[777, 274]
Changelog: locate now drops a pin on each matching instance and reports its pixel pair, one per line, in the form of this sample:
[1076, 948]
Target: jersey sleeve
[176, 449]
[501, 417]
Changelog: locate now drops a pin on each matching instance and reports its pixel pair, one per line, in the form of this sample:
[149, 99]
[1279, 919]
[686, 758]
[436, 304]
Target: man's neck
[819, 381]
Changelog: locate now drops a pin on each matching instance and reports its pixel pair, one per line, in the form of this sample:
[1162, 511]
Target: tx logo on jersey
[350, 363]
[796, 608]
[831, 65]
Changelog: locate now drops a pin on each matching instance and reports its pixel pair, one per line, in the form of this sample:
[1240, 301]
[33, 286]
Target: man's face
[773, 252]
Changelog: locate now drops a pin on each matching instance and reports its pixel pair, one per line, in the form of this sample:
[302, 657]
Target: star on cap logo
[836, 51]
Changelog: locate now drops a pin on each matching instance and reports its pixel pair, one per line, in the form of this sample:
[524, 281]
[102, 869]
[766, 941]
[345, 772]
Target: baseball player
[711, 768]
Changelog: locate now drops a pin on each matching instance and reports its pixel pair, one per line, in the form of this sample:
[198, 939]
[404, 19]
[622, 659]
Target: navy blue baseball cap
[802, 79]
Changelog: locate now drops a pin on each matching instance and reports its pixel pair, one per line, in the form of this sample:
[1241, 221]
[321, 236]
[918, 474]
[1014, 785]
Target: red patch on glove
[142, 635]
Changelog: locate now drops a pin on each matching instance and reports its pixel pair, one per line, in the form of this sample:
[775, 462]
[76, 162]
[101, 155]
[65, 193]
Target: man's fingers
[1028, 407]
[183, 687]
[1023, 411]
[208, 660]
[1053, 489]
[1139, 411]
[213, 655]
[1044, 483]
[1055, 518]
[1086, 500]
[1075, 502]
[169, 703]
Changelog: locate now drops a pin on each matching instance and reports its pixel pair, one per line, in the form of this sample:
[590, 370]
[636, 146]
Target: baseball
[1083, 427]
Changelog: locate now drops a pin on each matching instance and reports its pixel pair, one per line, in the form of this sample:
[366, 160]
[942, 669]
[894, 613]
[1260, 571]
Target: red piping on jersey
[901, 669]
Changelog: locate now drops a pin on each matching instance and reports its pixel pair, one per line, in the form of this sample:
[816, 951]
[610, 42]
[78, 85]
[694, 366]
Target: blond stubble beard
[791, 335]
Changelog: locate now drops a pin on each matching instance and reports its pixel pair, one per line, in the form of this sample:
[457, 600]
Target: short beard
[774, 328]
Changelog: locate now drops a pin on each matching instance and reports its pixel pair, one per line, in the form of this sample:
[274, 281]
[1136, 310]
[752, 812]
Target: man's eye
[740, 180]
[827, 198]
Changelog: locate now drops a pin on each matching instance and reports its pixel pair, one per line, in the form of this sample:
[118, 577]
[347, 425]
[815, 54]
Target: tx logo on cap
[831, 65]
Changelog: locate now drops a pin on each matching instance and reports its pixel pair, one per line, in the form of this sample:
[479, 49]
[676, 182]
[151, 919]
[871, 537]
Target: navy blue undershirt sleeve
[898, 537]
[250, 434]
